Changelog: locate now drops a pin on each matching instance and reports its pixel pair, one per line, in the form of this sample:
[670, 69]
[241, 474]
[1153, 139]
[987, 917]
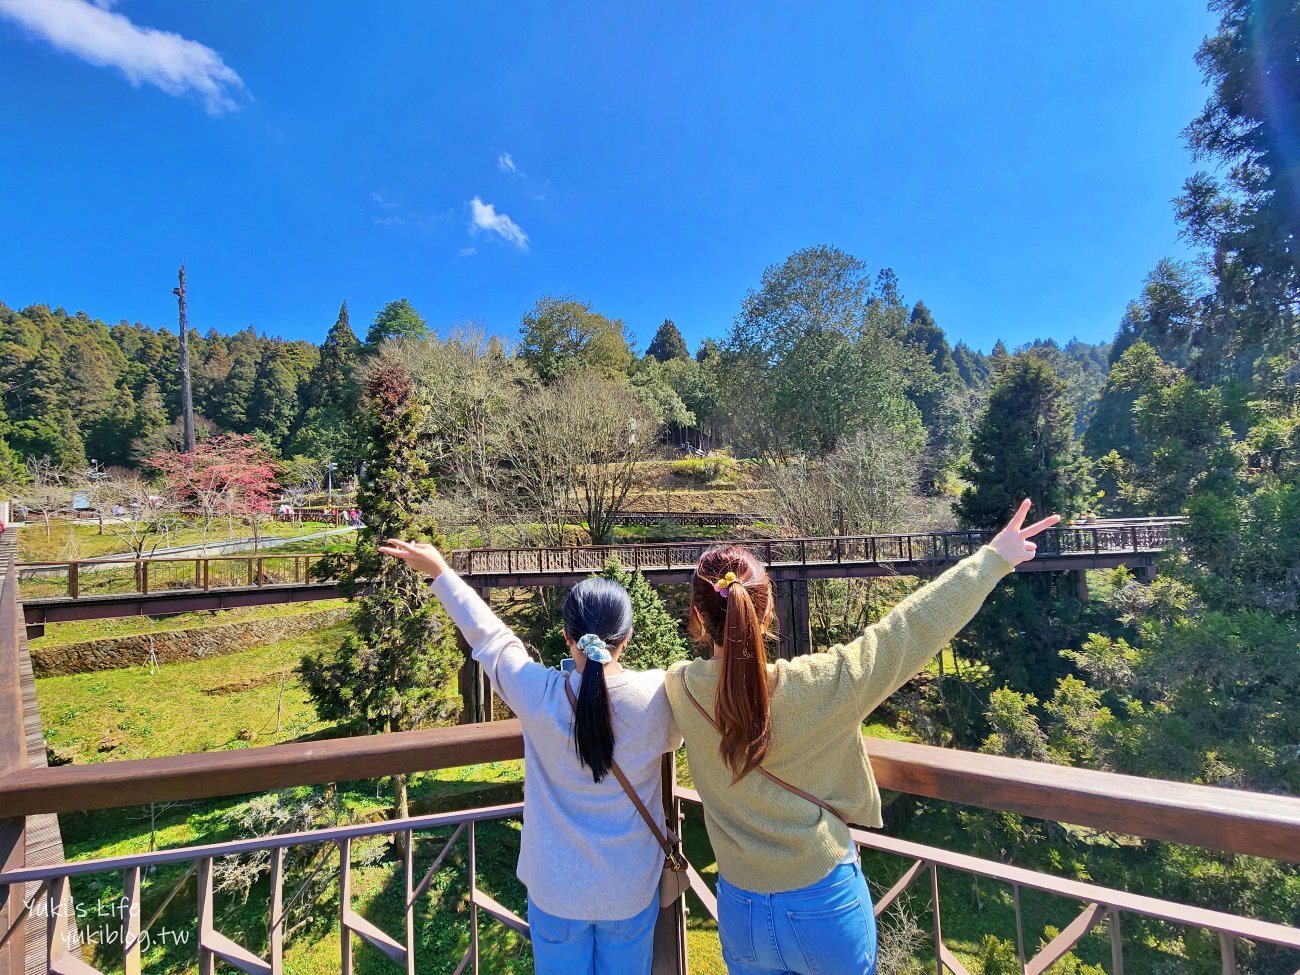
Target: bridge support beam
[670, 926]
[792, 610]
[475, 690]
[1081, 584]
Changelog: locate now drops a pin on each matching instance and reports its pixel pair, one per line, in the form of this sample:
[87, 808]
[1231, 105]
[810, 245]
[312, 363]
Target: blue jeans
[826, 928]
[563, 946]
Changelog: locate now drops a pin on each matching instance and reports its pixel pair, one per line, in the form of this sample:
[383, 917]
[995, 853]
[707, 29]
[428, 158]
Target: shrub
[657, 639]
[702, 470]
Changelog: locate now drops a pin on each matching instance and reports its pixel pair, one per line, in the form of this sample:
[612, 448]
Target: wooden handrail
[768, 543]
[108, 785]
[132, 560]
[901, 536]
[1230, 820]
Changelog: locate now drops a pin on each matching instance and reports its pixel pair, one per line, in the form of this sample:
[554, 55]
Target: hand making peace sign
[1012, 543]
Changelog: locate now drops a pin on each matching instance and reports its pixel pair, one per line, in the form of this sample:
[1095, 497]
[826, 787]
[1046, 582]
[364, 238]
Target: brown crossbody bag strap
[663, 839]
[758, 768]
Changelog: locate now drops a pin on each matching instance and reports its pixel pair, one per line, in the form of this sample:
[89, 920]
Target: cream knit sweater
[767, 839]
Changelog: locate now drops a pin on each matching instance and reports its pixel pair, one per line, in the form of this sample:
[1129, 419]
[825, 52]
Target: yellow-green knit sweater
[767, 839]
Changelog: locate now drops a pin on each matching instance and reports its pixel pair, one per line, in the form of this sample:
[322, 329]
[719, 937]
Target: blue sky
[1013, 162]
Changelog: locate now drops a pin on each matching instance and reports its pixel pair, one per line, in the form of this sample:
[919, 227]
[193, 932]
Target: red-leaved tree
[230, 476]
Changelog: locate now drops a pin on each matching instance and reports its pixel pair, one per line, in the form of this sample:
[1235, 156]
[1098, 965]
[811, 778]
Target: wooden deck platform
[44, 842]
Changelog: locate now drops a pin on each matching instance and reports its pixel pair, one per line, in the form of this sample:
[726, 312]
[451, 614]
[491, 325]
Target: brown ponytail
[737, 623]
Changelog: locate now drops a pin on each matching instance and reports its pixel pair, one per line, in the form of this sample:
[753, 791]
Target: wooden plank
[380, 939]
[108, 785]
[43, 844]
[1196, 917]
[1231, 820]
[906, 880]
[331, 834]
[236, 954]
[701, 890]
[950, 961]
[503, 914]
[1073, 933]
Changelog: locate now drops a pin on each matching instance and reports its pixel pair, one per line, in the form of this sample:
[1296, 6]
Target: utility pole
[187, 389]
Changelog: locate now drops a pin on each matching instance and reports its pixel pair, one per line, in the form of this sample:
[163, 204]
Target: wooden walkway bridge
[794, 562]
[63, 591]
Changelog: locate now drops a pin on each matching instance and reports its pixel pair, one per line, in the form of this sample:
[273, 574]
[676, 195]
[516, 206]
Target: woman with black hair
[591, 864]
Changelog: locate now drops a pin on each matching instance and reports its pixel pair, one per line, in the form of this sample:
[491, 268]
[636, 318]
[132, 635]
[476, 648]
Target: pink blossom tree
[231, 476]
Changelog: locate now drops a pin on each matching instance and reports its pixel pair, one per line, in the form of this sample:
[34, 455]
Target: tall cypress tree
[668, 343]
[331, 380]
[397, 671]
[1024, 447]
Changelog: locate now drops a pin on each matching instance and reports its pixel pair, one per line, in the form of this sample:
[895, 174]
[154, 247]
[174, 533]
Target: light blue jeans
[826, 928]
[564, 946]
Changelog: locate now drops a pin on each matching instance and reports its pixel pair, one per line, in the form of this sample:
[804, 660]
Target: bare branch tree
[472, 385]
[48, 491]
[578, 444]
[139, 516]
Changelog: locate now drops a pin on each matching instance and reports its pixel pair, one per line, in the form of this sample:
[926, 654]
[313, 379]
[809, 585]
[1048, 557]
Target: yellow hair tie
[723, 586]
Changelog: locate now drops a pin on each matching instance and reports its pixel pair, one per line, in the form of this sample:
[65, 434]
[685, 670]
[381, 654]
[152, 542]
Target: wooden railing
[78, 578]
[904, 552]
[1220, 819]
[920, 548]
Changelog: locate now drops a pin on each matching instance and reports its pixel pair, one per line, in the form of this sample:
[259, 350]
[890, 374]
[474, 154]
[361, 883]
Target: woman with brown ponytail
[777, 754]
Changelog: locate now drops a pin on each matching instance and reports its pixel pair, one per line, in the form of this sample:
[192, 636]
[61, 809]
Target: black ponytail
[602, 607]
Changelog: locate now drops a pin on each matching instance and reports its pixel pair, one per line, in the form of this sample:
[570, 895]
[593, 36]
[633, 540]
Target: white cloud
[485, 217]
[506, 163]
[383, 201]
[95, 34]
[467, 251]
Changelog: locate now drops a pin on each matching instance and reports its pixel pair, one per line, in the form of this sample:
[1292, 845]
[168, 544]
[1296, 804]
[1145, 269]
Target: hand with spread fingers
[420, 556]
[1013, 542]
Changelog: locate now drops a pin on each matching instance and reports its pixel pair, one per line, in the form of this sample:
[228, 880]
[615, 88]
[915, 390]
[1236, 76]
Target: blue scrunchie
[594, 647]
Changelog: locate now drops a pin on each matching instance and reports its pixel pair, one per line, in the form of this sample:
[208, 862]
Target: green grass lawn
[198, 706]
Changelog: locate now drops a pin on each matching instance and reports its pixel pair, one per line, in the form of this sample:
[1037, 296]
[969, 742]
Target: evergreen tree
[1024, 447]
[273, 403]
[972, 365]
[562, 333]
[707, 350]
[1246, 214]
[668, 343]
[657, 639]
[396, 320]
[397, 671]
[941, 397]
[817, 353]
[331, 380]
[110, 439]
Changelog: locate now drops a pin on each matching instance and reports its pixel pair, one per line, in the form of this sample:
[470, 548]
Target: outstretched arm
[893, 650]
[518, 678]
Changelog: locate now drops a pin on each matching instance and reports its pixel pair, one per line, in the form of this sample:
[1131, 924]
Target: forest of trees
[80, 392]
